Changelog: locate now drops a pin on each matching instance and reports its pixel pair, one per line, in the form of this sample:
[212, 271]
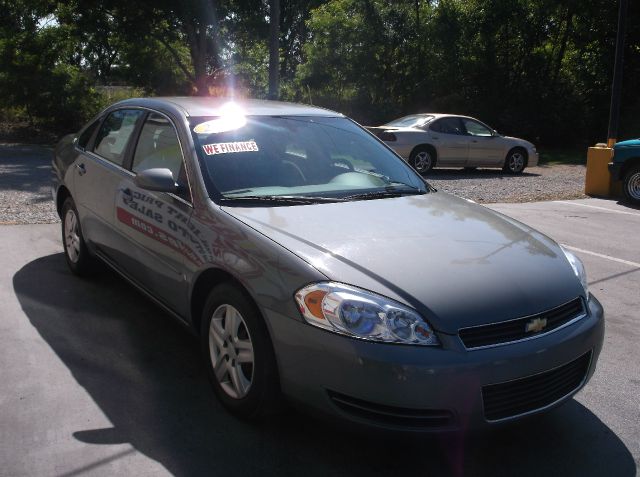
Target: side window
[448, 125]
[113, 136]
[436, 126]
[475, 128]
[158, 147]
[83, 140]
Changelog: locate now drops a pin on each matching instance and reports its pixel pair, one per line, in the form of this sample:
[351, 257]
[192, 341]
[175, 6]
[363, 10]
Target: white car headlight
[578, 269]
[350, 311]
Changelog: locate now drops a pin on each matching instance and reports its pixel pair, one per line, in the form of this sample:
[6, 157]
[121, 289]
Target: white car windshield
[414, 121]
[298, 158]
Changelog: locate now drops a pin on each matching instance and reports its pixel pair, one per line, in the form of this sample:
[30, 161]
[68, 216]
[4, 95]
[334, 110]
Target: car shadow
[627, 204]
[143, 371]
[453, 174]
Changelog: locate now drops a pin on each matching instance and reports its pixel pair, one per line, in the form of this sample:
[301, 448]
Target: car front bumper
[533, 158]
[424, 389]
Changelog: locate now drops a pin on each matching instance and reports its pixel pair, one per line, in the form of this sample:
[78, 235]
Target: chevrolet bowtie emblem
[535, 325]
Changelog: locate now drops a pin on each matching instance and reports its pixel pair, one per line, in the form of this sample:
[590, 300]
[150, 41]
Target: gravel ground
[25, 197]
[25, 179]
[565, 181]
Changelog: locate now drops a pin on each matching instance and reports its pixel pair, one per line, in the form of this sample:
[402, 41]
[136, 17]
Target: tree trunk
[274, 49]
[563, 45]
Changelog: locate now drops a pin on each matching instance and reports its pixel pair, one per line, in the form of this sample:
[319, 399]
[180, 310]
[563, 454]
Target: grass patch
[551, 157]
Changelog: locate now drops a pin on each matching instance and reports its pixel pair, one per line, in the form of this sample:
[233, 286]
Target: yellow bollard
[598, 179]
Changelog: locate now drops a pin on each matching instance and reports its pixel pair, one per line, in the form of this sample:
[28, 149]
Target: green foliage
[363, 58]
[33, 77]
[539, 69]
[549, 157]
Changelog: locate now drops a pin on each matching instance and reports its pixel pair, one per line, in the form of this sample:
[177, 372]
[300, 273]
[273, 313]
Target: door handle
[81, 169]
[126, 191]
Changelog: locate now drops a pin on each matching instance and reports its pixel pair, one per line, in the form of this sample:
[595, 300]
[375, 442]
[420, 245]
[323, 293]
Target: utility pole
[598, 179]
[616, 87]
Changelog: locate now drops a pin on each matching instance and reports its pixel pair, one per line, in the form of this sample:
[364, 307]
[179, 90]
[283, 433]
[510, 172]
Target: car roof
[433, 115]
[210, 106]
[437, 115]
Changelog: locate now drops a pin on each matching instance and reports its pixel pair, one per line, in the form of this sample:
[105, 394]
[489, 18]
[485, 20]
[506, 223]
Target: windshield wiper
[390, 191]
[282, 199]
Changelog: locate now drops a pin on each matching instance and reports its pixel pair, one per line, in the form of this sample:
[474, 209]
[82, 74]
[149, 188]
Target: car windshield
[410, 121]
[278, 160]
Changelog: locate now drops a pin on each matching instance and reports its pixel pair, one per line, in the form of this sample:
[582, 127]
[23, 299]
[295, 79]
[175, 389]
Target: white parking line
[596, 207]
[600, 255]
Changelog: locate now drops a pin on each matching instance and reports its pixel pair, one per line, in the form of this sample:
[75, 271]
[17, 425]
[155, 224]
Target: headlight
[354, 312]
[578, 269]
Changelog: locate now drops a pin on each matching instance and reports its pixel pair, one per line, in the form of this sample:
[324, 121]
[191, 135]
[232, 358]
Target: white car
[444, 140]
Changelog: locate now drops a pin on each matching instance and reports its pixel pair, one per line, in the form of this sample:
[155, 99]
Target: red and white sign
[230, 147]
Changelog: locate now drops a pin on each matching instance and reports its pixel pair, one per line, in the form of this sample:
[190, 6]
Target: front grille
[514, 330]
[391, 415]
[520, 396]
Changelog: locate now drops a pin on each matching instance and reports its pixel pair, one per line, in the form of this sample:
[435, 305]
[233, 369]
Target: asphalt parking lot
[98, 381]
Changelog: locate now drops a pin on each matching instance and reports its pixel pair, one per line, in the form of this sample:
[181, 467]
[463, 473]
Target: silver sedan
[315, 265]
[444, 140]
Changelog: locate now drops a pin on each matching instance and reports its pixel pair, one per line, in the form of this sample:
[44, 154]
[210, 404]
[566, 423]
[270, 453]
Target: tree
[274, 49]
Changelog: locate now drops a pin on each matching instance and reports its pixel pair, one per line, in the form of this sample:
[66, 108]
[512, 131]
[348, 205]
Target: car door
[156, 224]
[98, 171]
[450, 141]
[485, 147]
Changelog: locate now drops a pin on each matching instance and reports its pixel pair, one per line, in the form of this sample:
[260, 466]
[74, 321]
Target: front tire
[515, 161]
[631, 185]
[238, 354]
[422, 159]
[76, 253]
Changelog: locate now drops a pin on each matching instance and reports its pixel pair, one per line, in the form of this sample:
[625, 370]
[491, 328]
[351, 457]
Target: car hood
[458, 263]
[627, 143]
[523, 142]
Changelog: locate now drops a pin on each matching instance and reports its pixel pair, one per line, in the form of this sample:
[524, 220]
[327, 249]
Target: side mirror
[158, 179]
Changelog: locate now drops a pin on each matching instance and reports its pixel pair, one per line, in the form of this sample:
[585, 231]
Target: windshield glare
[410, 121]
[311, 157]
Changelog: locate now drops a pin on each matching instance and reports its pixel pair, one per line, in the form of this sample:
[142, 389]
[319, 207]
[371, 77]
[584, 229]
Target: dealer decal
[229, 147]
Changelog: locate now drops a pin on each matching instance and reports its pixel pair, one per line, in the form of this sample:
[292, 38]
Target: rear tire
[631, 185]
[238, 354]
[422, 159]
[76, 253]
[516, 161]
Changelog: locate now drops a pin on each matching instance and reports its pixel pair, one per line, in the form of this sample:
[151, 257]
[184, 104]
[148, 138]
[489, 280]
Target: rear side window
[84, 138]
[114, 134]
[447, 126]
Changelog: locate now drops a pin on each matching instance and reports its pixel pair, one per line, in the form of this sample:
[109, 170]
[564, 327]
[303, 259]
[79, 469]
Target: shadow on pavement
[452, 174]
[143, 370]
[25, 168]
[627, 204]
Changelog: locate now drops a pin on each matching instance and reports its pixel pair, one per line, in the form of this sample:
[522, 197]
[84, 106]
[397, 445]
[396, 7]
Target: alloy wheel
[633, 186]
[422, 161]
[516, 162]
[71, 236]
[231, 351]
